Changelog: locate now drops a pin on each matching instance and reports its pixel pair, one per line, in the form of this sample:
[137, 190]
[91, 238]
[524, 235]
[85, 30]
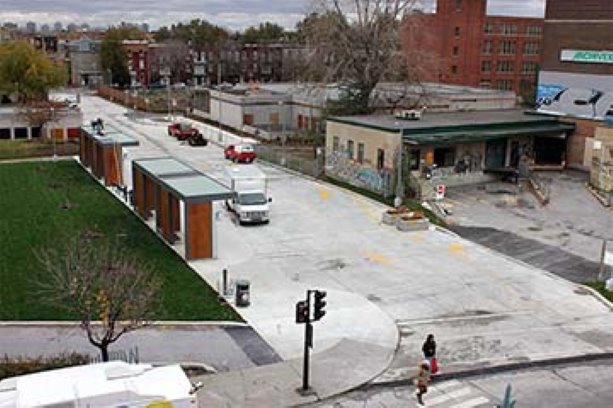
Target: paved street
[580, 385]
[386, 289]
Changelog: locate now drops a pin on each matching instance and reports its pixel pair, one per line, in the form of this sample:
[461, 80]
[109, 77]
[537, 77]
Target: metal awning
[164, 167]
[197, 187]
[478, 135]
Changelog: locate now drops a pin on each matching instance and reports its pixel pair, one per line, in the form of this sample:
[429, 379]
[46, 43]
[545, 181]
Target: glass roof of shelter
[111, 136]
[197, 187]
[164, 166]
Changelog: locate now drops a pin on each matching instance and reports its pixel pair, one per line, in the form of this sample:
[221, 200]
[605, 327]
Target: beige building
[441, 148]
[601, 172]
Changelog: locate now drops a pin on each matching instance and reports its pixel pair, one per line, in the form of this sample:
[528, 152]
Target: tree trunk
[104, 352]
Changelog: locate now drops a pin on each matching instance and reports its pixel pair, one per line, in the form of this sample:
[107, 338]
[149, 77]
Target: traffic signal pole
[303, 316]
[308, 343]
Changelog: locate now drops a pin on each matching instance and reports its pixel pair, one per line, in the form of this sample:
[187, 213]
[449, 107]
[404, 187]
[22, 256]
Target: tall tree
[113, 56]
[355, 44]
[27, 72]
[197, 33]
[265, 32]
[109, 291]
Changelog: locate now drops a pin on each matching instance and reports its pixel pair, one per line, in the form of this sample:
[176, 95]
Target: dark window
[488, 46]
[21, 133]
[456, 50]
[486, 66]
[456, 31]
[458, 5]
[488, 29]
[5, 133]
[444, 156]
[350, 149]
[454, 69]
[335, 143]
[380, 158]
[36, 132]
[360, 152]
[414, 159]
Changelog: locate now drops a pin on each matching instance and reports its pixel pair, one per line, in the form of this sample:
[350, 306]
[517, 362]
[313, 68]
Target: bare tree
[356, 44]
[109, 291]
[39, 113]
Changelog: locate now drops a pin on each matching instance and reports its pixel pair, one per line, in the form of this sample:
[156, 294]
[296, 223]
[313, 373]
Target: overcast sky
[232, 14]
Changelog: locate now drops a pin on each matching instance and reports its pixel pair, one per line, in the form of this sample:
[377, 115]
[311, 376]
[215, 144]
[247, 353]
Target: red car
[182, 131]
[240, 153]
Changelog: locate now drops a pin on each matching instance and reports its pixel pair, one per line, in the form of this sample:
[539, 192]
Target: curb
[158, 324]
[476, 372]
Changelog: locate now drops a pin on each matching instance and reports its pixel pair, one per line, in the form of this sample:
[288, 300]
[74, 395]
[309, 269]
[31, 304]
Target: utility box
[243, 297]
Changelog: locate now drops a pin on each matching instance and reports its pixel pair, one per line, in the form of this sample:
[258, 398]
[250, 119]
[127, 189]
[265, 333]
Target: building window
[489, 28]
[458, 5]
[360, 152]
[505, 67]
[380, 159]
[454, 69]
[529, 67]
[5, 133]
[456, 50]
[456, 31]
[444, 156]
[534, 31]
[486, 66]
[507, 48]
[504, 84]
[335, 144]
[531, 49]
[508, 29]
[350, 149]
[21, 133]
[488, 47]
[414, 156]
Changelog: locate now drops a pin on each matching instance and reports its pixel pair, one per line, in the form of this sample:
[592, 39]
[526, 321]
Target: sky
[231, 14]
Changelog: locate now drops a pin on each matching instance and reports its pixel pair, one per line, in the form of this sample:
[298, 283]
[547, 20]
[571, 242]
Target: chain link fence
[308, 160]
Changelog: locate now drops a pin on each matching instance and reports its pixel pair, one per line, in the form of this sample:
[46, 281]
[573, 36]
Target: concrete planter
[389, 218]
[407, 225]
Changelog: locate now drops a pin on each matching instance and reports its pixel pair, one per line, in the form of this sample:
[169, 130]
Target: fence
[304, 160]
[129, 356]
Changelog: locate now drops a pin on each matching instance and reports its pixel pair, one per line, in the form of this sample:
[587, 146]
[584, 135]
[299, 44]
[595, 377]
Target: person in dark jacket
[429, 347]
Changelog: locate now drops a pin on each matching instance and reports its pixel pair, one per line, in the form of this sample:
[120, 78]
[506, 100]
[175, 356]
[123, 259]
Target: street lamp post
[282, 119]
[52, 110]
[399, 183]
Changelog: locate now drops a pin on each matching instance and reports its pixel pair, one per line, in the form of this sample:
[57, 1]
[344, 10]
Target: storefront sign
[597, 57]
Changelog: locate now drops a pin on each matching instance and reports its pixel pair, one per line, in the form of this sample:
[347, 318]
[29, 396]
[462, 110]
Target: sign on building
[587, 56]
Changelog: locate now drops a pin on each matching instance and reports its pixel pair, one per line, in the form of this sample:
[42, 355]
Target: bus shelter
[102, 153]
[182, 199]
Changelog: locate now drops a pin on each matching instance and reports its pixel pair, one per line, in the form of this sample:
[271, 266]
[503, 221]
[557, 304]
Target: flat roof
[430, 120]
[164, 167]
[197, 187]
[111, 136]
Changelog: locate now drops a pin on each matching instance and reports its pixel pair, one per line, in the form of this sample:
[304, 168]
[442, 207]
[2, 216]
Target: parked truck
[251, 200]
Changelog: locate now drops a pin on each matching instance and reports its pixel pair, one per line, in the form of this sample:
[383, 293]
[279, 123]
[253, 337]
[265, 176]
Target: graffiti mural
[339, 165]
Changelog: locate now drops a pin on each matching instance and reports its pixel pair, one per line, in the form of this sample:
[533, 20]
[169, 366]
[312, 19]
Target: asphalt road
[572, 386]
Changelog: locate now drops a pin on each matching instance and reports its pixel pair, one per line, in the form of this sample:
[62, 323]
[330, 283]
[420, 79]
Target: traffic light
[320, 304]
[302, 312]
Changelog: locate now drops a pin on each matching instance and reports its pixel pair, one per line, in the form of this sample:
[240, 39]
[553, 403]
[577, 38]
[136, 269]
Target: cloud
[232, 14]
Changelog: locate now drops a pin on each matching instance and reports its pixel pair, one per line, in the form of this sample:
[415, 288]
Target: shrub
[10, 367]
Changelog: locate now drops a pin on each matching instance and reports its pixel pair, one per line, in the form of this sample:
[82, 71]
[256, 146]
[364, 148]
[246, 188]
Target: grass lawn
[18, 149]
[600, 287]
[31, 196]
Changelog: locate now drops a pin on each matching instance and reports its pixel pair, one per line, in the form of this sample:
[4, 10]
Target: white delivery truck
[251, 201]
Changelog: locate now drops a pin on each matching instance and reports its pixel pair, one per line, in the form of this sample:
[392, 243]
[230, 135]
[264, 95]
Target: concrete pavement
[485, 309]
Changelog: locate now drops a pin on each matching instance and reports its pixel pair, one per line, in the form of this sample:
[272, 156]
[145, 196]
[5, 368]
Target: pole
[308, 334]
[53, 134]
[219, 137]
[168, 93]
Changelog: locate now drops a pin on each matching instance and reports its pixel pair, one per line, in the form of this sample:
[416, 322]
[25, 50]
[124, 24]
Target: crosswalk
[448, 394]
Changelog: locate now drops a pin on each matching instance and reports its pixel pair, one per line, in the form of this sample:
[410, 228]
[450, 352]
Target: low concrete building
[15, 125]
[442, 148]
[85, 66]
[601, 171]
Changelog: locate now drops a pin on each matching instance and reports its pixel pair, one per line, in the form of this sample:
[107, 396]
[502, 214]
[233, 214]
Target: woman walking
[429, 350]
[422, 381]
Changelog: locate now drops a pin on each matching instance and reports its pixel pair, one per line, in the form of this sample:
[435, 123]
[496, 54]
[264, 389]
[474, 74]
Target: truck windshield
[251, 199]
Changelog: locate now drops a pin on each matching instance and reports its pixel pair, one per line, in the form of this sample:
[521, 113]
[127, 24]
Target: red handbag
[433, 365]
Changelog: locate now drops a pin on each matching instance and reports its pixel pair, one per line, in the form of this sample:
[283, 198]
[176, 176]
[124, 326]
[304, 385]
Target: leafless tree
[356, 44]
[110, 292]
[40, 112]
[173, 54]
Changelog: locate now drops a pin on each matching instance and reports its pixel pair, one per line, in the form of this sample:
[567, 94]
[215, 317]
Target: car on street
[182, 130]
[240, 153]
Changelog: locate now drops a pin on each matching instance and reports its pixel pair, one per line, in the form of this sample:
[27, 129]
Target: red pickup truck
[240, 153]
[182, 131]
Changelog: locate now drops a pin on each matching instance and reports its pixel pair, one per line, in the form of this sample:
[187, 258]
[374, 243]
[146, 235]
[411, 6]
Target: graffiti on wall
[339, 165]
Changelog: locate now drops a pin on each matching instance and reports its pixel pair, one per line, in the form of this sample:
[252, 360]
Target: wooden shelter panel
[175, 206]
[199, 227]
[112, 166]
[82, 147]
[139, 195]
[149, 196]
[164, 215]
[98, 165]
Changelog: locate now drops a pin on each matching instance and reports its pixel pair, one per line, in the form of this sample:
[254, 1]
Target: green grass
[600, 287]
[31, 195]
[20, 149]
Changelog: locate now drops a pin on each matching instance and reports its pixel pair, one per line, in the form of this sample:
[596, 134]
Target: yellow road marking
[324, 193]
[378, 258]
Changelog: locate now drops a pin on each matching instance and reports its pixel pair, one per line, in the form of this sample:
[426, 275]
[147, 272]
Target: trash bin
[242, 293]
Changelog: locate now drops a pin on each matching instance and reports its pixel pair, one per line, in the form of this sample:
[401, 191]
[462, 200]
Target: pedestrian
[429, 347]
[422, 381]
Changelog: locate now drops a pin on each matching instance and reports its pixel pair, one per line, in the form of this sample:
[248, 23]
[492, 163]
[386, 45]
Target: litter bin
[242, 293]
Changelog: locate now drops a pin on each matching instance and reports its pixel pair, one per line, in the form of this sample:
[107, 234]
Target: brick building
[465, 46]
[139, 61]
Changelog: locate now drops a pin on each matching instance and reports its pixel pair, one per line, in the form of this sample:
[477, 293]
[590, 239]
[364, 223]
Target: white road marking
[462, 392]
[446, 385]
[471, 403]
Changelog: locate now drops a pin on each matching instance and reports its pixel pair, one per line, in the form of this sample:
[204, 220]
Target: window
[486, 66]
[529, 67]
[21, 133]
[458, 5]
[380, 159]
[456, 50]
[488, 47]
[36, 132]
[489, 28]
[505, 67]
[444, 156]
[5, 133]
[508, 29]
[531, 49]
[504, 84]
[350, 149]
[456, 31]
[335, 144]
[360, 152]
[454, 69]
[534, 31]
[507, 48]
[414, 159]
[485, 84]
